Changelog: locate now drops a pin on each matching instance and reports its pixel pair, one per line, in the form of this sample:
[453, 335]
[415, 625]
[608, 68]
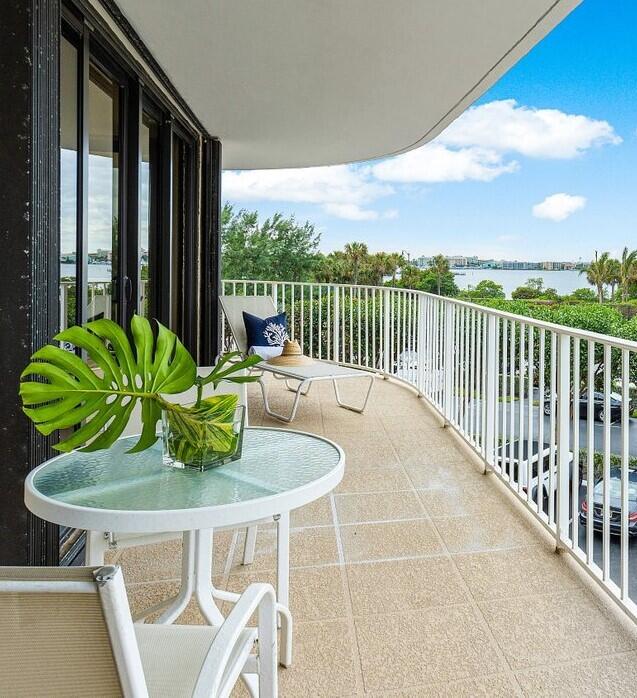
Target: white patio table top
[112, 490]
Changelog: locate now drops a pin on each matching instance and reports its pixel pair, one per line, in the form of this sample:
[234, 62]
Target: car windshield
[615, 488]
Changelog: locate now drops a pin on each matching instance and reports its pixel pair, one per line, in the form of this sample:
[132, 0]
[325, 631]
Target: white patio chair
[68, 631]
[303, 376]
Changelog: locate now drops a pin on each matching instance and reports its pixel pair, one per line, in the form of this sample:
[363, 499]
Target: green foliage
[583, 294]
[205, 432]
[62, 391]
[534, 289]
[484, 289]
[431, 280]
[598, 462]
[278, 250]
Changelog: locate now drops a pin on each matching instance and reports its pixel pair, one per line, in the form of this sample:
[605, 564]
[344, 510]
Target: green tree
[440, 268]
[598, 273]
[356, 254]
[279, 249]
[534, 289]
[627, 272]
[583, 294]
[483, 289]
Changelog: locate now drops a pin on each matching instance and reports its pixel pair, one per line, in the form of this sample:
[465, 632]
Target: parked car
[615, 514]
[599, 413]
[517, 468]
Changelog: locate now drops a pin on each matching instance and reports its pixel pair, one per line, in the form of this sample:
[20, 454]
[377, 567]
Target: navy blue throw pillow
[266, 332]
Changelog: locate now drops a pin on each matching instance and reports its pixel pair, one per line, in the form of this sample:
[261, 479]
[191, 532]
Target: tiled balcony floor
[418, 576]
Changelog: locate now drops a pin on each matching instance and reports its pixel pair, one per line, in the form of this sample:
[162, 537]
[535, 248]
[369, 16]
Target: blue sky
[544, 166]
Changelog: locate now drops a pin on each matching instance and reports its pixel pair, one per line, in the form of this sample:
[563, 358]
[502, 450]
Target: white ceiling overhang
[293, 83]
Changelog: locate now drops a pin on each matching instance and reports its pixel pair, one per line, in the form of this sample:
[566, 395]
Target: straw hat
[291, 355]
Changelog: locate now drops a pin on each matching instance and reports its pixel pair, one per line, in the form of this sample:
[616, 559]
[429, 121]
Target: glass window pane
[149, 142]
[103, 194]
[179, 213]
[68, 182]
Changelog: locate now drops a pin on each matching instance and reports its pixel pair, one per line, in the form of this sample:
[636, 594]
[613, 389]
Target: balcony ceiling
[293, 83]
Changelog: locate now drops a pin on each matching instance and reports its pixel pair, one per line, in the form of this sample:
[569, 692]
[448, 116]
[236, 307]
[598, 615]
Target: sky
[542, 167]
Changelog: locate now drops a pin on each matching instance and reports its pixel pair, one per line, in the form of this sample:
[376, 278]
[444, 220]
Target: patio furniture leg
[180, 602]
[202, 577]
[250, 545]
[283, 586]
[345, 405]
[96, 547]
[294, 390]
[295, 404]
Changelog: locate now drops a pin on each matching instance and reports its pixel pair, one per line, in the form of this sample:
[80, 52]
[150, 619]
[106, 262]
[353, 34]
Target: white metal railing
[99, 300]
[510, 386]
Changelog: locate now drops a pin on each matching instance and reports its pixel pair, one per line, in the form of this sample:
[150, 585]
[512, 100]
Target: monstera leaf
[205, 429]
[67, 392]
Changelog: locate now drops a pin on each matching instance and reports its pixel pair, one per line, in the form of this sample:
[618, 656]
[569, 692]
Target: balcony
[422, 574]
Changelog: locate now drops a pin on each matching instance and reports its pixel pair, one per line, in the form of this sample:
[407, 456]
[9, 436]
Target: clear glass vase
[193, 440]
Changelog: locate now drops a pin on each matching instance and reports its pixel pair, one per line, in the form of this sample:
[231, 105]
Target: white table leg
[180, 602]
[204, 590]
[283, 586]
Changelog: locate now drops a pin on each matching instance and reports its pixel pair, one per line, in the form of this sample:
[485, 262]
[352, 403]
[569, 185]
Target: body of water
[564, 282]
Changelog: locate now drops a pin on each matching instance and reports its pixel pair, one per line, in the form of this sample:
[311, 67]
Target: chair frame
[216, 668]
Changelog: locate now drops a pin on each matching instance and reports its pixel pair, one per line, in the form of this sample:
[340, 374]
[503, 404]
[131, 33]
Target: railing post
[275, 294]
[491, 397]
[422, 339]
[448, 361]
[387, 331]
[563, 433]
[336, 329]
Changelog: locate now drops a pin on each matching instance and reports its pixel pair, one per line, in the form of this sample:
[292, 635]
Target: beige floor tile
[144, 596]
[434, 449]
[316, 513]
[497, 686]
[336, 419]
[485, 532]
[515, 572]
[308, 547]
[323, 664]
[416, 421]
[362, 452]
[159, 561]
[316, 593]
[538, 630]
[404, 585]
[363, 542]
[614, 675]
[443, 475]
[427, 646]
[373, 479]
[378, 506]
[467, 499]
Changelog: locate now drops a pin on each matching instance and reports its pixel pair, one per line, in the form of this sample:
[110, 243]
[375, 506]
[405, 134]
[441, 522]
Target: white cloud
[435, 162]
[350, 212]
[558, 207]
[476, 145]
[481, 145]
[505, 126]
[342, 190]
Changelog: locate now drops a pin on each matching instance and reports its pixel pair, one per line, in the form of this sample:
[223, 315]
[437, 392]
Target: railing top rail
[615, 342]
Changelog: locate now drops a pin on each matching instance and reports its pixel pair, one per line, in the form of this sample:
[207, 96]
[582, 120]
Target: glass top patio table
[279, 470]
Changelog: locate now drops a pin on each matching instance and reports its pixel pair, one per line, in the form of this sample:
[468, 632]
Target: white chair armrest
[256, 596]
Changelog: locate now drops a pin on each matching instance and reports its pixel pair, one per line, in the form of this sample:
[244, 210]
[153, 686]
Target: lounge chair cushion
[266, 332]
[266, 353]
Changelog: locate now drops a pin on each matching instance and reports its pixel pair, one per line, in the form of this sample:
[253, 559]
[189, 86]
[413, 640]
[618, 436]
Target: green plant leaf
[59, 390]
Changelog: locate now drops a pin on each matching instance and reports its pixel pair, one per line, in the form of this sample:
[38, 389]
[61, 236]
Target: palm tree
[627, 271]
[356, 253]
[440, 267]
[395, 261]
[614, 272]
[599, 273]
